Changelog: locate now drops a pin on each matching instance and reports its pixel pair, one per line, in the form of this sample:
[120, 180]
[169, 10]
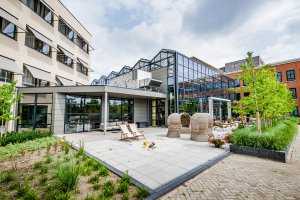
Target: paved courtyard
[172, 158]
[245, 177]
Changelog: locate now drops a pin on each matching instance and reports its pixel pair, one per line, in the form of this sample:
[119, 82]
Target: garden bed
[48, 169]
[273, 143]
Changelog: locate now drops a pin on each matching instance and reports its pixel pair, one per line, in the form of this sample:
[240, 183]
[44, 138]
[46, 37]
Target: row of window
[72, 35]
[45, 13]
[290, 75]
[40, 46]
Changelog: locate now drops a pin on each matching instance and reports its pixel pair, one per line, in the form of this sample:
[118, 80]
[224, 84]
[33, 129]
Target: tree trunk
[258, 124]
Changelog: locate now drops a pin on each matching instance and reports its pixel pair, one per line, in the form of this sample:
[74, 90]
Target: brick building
[288, 72]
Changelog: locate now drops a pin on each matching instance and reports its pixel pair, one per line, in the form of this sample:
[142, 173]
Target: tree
[268, 99]
[8, 97]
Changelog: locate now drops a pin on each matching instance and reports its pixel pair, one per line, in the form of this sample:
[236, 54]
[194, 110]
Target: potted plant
[216, 141]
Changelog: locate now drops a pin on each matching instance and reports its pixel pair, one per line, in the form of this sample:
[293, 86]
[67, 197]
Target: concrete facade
[21, 54]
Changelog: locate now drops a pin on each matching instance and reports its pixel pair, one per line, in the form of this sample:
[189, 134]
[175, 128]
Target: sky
[216, 31]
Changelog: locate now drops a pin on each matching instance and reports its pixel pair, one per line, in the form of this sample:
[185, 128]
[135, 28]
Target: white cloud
[125, 31]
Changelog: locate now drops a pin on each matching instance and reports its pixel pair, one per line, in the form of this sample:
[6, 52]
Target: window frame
[288, 75]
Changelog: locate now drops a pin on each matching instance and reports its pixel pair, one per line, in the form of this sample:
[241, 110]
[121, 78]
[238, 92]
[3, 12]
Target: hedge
[277, 137]
[23, 136]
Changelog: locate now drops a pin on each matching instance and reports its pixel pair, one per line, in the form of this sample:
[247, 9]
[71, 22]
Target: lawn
[277, 137]
[49, 169]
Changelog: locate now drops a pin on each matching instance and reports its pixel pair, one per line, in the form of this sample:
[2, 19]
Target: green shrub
[43, 180]
[92, 197]
[19, 137]
[48, 159]
[25, 193]
[96, 186]
[142, 193]
[123, 187]
[125, 196]
[7, 177]
[277, 137]
[80, 151]
[38, 165]
[43, 169]
[103, 171]
[126, 178]
[85, 170]
[94, 179]
[58, 196]
[12, 150]
[66, 148]
[14, 186]
[92, 163]
[67, 176]
[108, 189]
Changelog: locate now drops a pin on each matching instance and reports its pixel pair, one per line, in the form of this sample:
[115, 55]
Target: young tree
[8, 97]
[268, 99]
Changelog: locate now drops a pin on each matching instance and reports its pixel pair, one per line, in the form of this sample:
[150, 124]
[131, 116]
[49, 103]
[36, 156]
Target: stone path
[245, 177]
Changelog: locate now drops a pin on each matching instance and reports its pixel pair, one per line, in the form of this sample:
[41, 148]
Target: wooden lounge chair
[135, 131]
[125, 133]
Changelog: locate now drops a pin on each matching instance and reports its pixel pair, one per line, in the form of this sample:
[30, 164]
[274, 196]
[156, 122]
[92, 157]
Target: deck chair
[125, 133]
[135, 131]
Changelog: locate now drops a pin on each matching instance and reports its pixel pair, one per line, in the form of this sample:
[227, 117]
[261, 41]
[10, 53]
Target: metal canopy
[66, 52]
[42, 37]
[64, 81]
[12, 19]
[40, 74]
[9, 65]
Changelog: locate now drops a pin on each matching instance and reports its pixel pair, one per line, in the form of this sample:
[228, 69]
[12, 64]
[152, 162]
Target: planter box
[261, 153]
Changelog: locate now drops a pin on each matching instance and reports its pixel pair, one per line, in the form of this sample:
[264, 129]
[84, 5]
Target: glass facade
[35, 111]
[196, 81]
[120, 110]
[82, 113]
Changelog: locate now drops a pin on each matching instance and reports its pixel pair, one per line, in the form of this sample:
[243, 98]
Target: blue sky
[216, 31]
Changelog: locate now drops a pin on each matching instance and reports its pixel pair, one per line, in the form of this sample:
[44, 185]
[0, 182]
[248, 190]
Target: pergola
[211, 106]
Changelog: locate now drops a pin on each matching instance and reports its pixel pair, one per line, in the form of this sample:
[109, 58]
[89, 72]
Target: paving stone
[244, 177]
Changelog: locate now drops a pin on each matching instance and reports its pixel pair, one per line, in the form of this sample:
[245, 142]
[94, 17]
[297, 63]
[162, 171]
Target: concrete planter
[261, 153]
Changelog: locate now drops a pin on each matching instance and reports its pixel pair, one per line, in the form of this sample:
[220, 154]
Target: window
[83, 113]
[7, 28]
[215, 86]
[223, 85]
[35, 112]
[6, 76]
[202, 88]
[236, 83]
[207, 87]
[295, 112]
[238, 96]
[36, 44]
[82, 69]
[62, 58]
[294, 93]
[41, 9]
[290, 75]
[246, 94]
[279, 76]
[121, 110]
[29, 80]
[231, 96]
[72, 35]
[231, 83]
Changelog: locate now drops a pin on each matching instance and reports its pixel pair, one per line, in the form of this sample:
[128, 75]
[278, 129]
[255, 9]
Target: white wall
[22, 54]
[58, 113]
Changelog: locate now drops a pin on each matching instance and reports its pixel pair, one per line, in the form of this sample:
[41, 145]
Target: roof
[285, 61]
[212, 67]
